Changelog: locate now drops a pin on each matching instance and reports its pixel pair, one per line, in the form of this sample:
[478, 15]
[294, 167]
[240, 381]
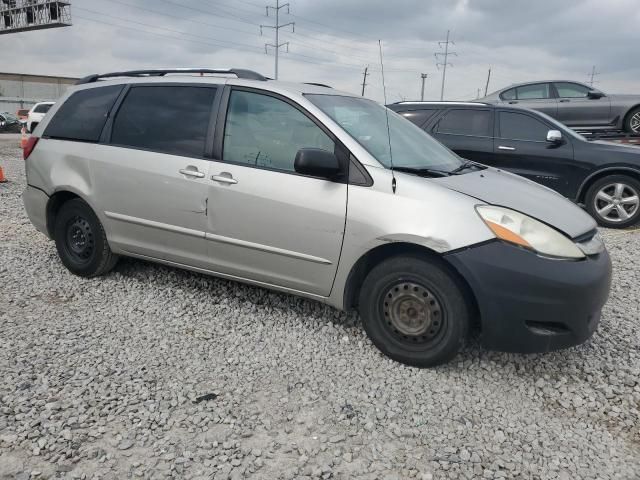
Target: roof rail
[238, 72]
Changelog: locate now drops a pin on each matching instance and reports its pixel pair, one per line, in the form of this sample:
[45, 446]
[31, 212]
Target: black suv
[602, 176]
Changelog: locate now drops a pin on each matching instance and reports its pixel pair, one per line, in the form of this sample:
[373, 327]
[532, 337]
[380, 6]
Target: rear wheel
[81, 240]
[614, 201]
[632, 122]
[414, 310]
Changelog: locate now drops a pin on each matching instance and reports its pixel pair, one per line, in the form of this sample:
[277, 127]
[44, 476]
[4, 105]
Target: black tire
[629, 119]
[406, 281]
[81, 240]
[613, 218]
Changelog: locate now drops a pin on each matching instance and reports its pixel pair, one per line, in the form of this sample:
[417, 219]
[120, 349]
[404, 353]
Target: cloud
[334, 40]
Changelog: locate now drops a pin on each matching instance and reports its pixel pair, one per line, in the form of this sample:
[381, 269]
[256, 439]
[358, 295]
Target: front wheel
[81, 240]
[414, 310]
[614, 201]
[632, 122]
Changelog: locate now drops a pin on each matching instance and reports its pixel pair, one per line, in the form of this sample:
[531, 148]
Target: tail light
[31, 144]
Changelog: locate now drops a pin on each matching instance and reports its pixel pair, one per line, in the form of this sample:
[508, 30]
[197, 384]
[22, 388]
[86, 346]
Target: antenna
[386, 113]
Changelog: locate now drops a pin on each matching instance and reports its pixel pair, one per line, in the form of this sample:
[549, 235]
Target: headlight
[514, 227]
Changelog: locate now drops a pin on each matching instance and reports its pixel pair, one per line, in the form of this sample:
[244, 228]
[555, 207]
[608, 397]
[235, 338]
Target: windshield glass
[365, 121]
[10, 117]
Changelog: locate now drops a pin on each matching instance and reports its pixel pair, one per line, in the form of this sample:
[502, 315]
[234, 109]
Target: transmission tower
[24, 15]
[444, 64]
[592, 75]
[276, 46]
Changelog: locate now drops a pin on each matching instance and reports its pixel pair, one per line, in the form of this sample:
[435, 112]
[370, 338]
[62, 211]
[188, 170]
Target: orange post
[24, 139]
[3, 179]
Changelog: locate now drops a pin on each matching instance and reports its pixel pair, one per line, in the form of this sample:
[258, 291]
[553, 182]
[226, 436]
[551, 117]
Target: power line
[276, 46]
[445, 63]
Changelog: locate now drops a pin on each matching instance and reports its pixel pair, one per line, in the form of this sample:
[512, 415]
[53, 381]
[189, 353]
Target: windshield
[10, 117]
[365, 121]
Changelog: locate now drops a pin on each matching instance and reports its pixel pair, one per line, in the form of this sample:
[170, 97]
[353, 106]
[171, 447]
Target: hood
[497, 187]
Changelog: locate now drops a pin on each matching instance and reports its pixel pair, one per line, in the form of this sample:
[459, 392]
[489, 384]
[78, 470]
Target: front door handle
[502, 147]
[191, 172]
[513, 102]
[565, 101]
[224, 178]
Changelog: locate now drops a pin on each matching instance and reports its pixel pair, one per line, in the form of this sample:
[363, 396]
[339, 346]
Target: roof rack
[238, 72]
[441, 102]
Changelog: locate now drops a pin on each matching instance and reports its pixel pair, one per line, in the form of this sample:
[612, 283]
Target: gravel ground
[105, 378]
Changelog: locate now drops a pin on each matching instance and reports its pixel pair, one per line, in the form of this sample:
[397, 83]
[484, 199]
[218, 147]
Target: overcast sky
[334, 40]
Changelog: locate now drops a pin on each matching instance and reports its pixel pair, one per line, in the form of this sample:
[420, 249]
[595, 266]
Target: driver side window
[265, 131]
[571, 90]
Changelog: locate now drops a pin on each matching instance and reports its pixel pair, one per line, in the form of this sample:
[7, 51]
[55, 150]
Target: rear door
[521, 147]
[151, 176]
[537, 96]
[468, 132]
[576, 109]
[266, 222]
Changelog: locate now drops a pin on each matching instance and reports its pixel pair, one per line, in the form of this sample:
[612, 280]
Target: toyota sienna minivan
[318, 193]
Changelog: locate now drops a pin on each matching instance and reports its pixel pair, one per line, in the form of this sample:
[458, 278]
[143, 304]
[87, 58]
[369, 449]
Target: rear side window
[419, 117]
[470, 122]
[533, 92]
[518, 126]
[44, 108]
[168, 119]
[84, 114]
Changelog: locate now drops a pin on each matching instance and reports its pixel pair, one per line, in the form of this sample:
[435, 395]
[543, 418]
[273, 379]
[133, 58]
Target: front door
[266, 222]
[151, 179]
[577, 109]
[537, 96]
[521, 147]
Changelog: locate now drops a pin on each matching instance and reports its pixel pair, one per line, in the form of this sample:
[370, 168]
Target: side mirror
[554, 136]
[316, 162]
[594, 94]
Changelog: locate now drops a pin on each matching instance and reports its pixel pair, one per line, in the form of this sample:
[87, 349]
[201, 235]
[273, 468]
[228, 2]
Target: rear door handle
[502, 147]
[565, 101]
[191, 172]
[222, 178]
[512, 102]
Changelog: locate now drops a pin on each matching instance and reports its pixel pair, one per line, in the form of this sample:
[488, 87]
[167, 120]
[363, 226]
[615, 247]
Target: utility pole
[424, 77]
[445, 63]
[593, 74]
[276, 46]
[364, 78]
[478, 96]
[486, 87]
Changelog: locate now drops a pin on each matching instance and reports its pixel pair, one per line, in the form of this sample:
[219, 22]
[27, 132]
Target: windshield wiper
[423, 172]
[466, 165]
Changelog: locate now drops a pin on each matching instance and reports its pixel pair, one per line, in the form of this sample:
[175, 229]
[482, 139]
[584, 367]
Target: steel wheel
[634, 122]
[413, 313]
[617, 202]
[79, 239]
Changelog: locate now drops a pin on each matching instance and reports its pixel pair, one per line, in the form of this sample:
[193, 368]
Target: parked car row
[322, 194]
[602, 176]
[9, 123]
[575, 104]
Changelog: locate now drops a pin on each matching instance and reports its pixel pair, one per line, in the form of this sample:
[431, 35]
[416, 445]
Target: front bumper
[35, 203]
[529, 303]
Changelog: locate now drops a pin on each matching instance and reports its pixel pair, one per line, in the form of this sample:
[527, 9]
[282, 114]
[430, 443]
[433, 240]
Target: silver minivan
[319, 193]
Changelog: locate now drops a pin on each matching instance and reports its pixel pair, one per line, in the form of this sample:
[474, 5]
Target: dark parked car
[9, 123]
[602, 176]
[575, 104]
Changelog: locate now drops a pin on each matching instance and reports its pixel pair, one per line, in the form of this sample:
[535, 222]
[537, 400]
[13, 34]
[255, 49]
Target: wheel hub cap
[617, 202]
[80, 239]
[412, 311]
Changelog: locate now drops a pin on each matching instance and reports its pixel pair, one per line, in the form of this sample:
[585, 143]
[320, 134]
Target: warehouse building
[19, 90]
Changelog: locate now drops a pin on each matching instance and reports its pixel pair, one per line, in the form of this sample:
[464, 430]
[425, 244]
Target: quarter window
[84, 114]
[168, 119]
[469, 122]
[571, 90]
[418, 117]
[267, 132]
[518, 126]
[509, 94]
